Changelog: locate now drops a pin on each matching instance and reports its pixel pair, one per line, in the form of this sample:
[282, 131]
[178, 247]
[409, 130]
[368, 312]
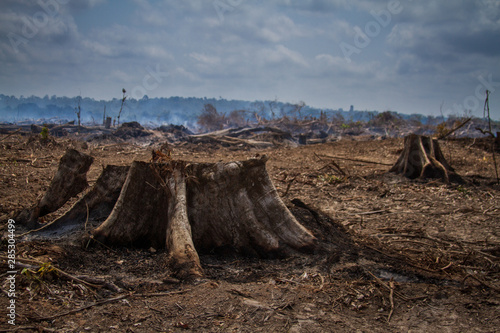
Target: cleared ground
[395, 255]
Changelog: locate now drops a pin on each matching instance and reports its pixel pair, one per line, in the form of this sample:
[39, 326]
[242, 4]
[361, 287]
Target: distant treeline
[172, 110]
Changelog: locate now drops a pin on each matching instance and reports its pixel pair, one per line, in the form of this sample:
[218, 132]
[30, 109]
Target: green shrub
[44, 133]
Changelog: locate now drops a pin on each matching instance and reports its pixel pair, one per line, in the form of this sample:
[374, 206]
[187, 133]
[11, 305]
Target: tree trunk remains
[422, 158]
[97, 204]
[70, 180]
[187, 208]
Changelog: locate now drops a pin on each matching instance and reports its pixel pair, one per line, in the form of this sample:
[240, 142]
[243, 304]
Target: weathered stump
[422, 158]
[70, 180]
[97, 204]
[185, 208]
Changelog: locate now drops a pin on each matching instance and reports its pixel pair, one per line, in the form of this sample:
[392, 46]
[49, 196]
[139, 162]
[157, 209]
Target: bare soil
[394, 255]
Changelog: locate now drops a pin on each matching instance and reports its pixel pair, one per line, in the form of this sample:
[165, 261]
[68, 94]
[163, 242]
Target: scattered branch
[58, 270]
[441, 137]
[10, 134]
[106, 301]
[355, 160]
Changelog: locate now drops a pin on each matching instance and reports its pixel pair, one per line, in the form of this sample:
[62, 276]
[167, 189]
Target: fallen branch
[106, 301]
[58, 270]
[21, 328]
[334, 164]
[355, 160]
[484, 283]
[441, 137]
[485, 132]
[62, 314]
[46, 225]
[10, 134]
[383, 284]
[391, 299]
[372, 212]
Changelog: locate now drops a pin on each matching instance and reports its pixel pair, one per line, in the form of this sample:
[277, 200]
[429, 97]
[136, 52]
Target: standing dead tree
[487, 112]
[78, 110]
[121, 106]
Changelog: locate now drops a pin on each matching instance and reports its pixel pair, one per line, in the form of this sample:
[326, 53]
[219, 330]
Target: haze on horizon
[406, 56]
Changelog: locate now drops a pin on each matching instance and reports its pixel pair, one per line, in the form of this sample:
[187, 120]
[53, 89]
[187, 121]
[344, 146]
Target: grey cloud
[318, 6]
[486, 42]
[79, 5]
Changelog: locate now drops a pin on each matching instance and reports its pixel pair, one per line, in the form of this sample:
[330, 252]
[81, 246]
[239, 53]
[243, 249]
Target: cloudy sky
[408, 56]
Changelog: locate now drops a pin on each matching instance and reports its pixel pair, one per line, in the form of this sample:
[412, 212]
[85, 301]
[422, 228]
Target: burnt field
[393, 255]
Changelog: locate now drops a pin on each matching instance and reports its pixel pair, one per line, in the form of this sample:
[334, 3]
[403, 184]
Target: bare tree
[297, 109]
[121, 107]
[272, 106]
[78, 109]
[210, 119]
[236, 118]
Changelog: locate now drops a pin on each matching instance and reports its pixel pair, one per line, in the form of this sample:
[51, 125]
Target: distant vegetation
[206, 113]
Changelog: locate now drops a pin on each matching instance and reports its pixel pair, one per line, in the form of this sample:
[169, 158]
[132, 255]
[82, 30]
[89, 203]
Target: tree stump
[422, 158]
[97, 204]
[70, 180]
[188, 207]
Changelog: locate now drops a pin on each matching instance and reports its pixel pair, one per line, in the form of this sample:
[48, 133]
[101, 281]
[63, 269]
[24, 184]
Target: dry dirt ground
[394, 255]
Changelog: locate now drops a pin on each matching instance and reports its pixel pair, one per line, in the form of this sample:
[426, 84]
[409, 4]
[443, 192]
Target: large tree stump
[422, 158]
[186, 208]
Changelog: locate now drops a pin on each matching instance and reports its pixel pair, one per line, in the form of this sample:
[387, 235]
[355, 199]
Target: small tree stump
[189, 207]
[422, 158]
[70, 180]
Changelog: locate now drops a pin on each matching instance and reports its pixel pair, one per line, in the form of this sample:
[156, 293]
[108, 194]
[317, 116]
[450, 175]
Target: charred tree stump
[187, 208]
[422, 158]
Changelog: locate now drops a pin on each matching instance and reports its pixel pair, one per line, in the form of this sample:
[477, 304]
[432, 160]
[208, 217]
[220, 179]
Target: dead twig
[87, 219]
[106, 301]
[484, 283]
[441, 137]
[10, 134]
[372, 212]
[21, 328]
[36, 230]
[391, 299]
[62, 314]
[337, 167]
[355, 160]
[383, 284]
[485, 132]
[288, 186]
[58, 270]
